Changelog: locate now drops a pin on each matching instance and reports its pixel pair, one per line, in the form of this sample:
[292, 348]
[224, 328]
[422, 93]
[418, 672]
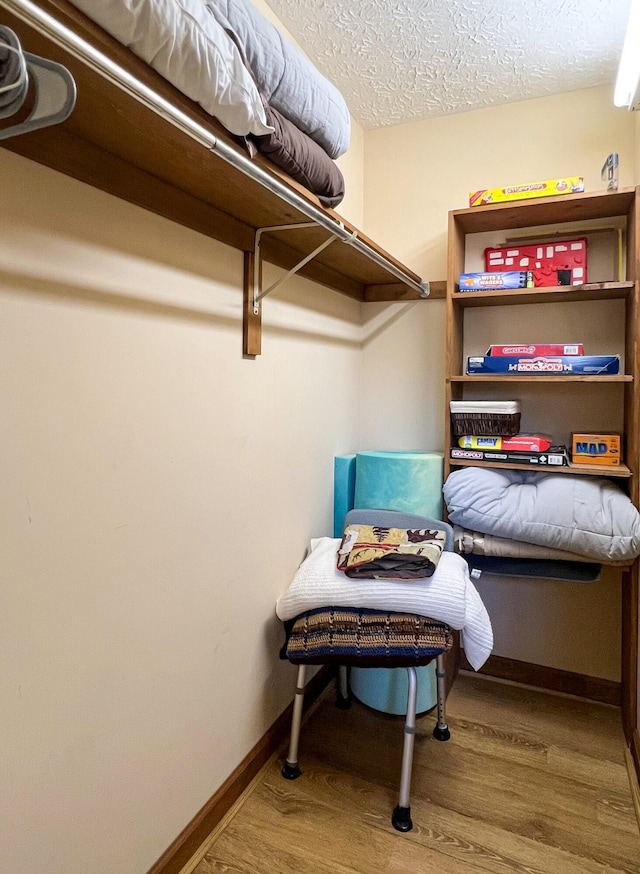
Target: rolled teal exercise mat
[344, 485]
[410, 482]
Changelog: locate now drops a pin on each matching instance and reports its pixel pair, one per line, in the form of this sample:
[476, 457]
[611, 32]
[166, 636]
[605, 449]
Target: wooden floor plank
[437, 829]
[530, 783]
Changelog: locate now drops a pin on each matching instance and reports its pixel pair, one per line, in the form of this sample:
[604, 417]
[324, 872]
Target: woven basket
[485, 424]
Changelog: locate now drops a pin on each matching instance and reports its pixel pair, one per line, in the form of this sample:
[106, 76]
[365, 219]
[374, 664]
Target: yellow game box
[547, 188]
[601, 448]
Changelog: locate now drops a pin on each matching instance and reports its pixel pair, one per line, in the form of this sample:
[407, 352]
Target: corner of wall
[636, 150]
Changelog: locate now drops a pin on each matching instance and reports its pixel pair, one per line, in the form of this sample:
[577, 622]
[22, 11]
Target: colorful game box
[601, 449]
[557, 262]
[517, 443]
[557, 455]
[494, 281]
[546, 188]
[533, 349]
[566, 365]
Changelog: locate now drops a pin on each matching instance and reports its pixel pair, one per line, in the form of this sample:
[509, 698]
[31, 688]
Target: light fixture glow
[627, 92]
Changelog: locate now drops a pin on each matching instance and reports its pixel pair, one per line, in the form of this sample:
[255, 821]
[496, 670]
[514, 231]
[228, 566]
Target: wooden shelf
[516, 377]
[113, 142]
[545, 211]
[622, 471]
[552, 294]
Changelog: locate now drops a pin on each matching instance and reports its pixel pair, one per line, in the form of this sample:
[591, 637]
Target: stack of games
[520, 449]
[550, 358]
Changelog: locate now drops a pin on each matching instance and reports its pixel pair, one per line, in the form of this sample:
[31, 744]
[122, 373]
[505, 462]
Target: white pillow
[185, 44]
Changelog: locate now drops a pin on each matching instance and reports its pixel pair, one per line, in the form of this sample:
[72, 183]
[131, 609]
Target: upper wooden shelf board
[539, 377]
[552, 294]
[545, 211]
[622, 471]
[115, 142]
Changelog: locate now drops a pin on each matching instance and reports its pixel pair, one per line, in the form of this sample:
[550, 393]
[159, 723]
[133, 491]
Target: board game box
[565, 365]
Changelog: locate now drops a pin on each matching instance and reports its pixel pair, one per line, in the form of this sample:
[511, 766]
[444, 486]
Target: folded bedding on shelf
[189, 48]
[448, 596]
[539, 569]
[286, 77]
[478, 543]
[302, 158]
[587, 515]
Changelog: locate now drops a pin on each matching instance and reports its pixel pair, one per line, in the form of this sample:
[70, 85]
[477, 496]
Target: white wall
[158, 493]
[435, 165]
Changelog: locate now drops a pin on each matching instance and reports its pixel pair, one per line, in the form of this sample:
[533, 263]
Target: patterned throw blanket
[379, 553]
[365, 638]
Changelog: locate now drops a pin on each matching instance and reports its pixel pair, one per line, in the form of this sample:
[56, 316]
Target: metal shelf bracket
[258, 295]
[254, 294]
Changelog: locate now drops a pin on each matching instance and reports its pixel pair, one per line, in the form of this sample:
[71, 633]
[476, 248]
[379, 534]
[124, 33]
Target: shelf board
[515, 377]
[545, 211]
[113, 142]
[551, 294]
[621, 472]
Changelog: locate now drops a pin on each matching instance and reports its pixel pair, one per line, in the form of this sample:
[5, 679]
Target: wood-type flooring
[530, 783]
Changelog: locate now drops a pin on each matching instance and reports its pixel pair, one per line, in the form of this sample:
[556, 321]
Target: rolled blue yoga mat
[410, 482]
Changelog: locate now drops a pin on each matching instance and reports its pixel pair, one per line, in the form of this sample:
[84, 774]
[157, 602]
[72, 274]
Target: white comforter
[448, 596]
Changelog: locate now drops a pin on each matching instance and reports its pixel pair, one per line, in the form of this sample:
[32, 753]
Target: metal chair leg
[343, 698]
[290, 769]
[401, 818]
[441, 731]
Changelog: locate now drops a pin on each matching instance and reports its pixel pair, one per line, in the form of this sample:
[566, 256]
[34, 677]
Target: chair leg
[401, 819]
[343, 698]
[290, 769]
[441, 731]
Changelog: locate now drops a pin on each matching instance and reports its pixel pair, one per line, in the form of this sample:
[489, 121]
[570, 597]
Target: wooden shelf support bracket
[253, 293]
[258, 295]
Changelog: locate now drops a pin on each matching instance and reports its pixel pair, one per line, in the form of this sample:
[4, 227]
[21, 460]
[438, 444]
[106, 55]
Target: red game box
[562, 262]
[533, 349]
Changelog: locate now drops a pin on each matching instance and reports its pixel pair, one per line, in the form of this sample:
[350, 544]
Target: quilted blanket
[285, 77]
[588, 515]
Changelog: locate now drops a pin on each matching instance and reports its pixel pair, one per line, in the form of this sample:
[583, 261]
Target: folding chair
[372, 639]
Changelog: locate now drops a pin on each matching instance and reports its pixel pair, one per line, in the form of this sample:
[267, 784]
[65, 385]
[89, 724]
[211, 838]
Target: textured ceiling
[402, 60]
